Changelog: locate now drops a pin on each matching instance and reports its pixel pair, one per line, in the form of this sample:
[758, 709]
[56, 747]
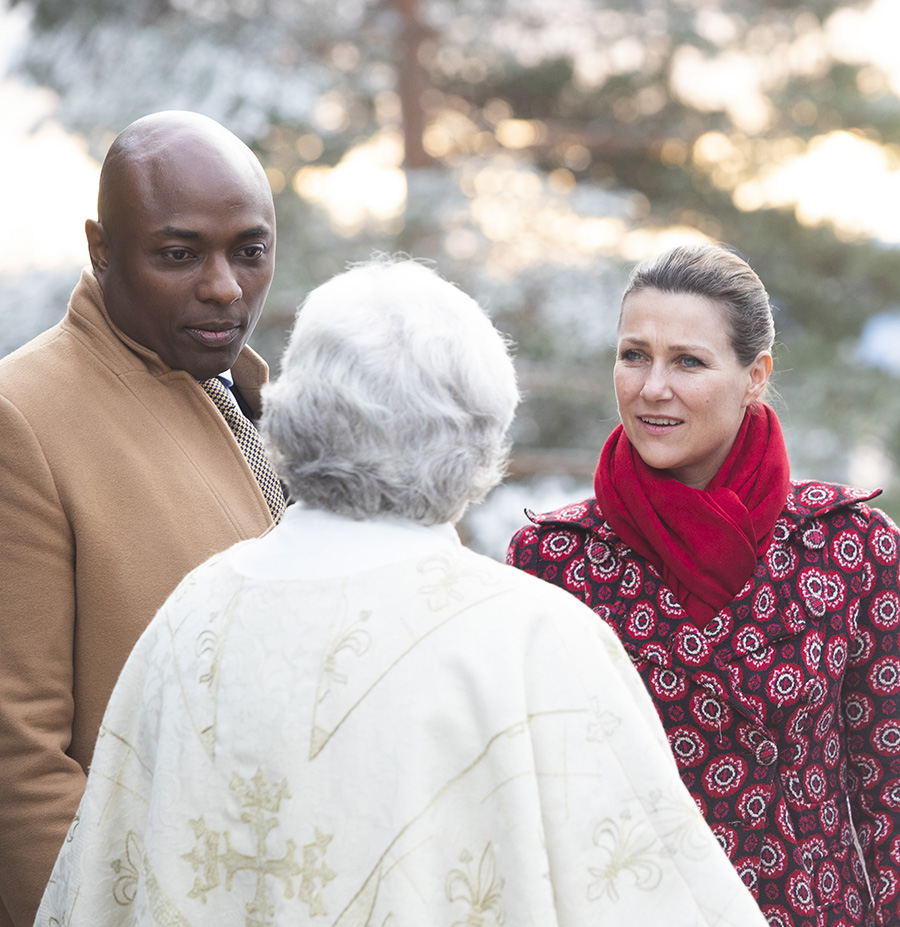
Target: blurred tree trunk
[412, 82]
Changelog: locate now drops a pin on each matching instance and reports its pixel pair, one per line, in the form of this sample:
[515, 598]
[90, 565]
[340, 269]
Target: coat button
[766, 753]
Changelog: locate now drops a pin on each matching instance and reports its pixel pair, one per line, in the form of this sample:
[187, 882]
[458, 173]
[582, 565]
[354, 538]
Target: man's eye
[253, 251]
[177, 254]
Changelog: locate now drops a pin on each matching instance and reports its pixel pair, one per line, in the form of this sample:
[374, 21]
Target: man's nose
[219, 283]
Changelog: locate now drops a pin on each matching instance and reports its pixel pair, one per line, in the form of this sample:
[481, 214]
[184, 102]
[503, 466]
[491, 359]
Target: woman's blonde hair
[719, 274]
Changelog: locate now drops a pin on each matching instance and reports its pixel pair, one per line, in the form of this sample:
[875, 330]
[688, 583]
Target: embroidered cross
[262, 803]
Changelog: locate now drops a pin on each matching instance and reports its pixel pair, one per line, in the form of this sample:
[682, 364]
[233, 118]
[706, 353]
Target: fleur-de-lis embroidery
[602, 724]
[207, 647]
[481, 891]
[679, 824]
[623, 848]
[443, 589]
[128, 871]
[356, 639]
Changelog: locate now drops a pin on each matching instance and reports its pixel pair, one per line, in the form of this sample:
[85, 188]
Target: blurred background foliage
[534, 149]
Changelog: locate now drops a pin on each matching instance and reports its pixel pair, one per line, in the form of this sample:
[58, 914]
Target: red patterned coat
[784, 712]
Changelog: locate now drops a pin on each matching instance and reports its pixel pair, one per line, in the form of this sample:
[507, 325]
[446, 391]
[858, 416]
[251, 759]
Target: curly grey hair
[395, 397]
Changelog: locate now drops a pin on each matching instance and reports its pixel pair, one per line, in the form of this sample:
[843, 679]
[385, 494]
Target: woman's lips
[215, 338]
[658, 424]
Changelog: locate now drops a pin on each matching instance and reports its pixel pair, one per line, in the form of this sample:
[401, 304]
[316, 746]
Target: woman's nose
[656, 384]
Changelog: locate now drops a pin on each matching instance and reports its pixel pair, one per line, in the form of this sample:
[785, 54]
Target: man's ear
[97, 247]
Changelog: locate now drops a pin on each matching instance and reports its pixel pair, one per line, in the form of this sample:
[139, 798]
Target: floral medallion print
[783, 713]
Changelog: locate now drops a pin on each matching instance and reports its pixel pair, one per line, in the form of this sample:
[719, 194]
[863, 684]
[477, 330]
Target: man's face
[186, 257]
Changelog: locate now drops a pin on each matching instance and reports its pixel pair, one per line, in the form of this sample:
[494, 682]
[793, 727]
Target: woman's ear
[759, 372]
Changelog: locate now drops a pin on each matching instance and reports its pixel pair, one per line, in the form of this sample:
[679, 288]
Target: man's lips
[215, 337]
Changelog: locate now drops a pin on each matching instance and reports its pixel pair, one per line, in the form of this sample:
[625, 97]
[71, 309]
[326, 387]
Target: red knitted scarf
[705, 542]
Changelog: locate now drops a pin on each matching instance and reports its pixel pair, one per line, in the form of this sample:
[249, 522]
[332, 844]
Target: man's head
[184, 247]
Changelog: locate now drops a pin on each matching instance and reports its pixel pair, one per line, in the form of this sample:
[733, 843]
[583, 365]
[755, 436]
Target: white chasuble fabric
[441, 742]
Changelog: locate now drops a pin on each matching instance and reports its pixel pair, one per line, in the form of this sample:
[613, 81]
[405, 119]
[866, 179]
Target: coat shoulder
[585, 514]
[815, 498]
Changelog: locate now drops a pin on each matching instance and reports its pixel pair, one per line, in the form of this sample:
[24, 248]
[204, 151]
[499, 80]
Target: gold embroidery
[356, 639]
[134, 870]
[333, 706]
[200, 694]
[124, 776]
[128, 871]
[513, 730]
[625, 848]
[443, 590]
[603, 724]
[260, 799]
[313, 856]
[207, 649]
[70, 836]
[679, 824]
[480, 892]
[359, 912]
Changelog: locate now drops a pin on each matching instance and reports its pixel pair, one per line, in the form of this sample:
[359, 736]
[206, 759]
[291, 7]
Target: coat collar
[708, 656]
[87, 319]
[806, 500]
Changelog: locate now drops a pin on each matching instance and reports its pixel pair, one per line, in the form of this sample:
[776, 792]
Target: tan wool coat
[117, 477]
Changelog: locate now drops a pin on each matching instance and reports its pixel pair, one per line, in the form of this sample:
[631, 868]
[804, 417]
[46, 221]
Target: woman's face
[680, 388]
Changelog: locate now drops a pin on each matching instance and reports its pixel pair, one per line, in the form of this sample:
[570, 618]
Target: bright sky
[48, 184]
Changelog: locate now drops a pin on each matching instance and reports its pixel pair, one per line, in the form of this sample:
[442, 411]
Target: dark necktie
[248, 439]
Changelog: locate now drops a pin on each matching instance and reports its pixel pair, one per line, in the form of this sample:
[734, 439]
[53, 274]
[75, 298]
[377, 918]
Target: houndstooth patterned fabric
[250, 443]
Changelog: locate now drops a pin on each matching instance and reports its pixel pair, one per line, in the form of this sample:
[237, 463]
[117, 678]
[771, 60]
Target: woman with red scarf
[763, 614]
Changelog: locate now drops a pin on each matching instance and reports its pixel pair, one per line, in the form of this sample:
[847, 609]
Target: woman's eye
[629, 355]
[689, 361]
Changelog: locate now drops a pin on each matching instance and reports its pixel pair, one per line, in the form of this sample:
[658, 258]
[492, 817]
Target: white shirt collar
[314, 544]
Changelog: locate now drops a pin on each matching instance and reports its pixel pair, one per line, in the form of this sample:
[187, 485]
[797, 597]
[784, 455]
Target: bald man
[119, 473]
